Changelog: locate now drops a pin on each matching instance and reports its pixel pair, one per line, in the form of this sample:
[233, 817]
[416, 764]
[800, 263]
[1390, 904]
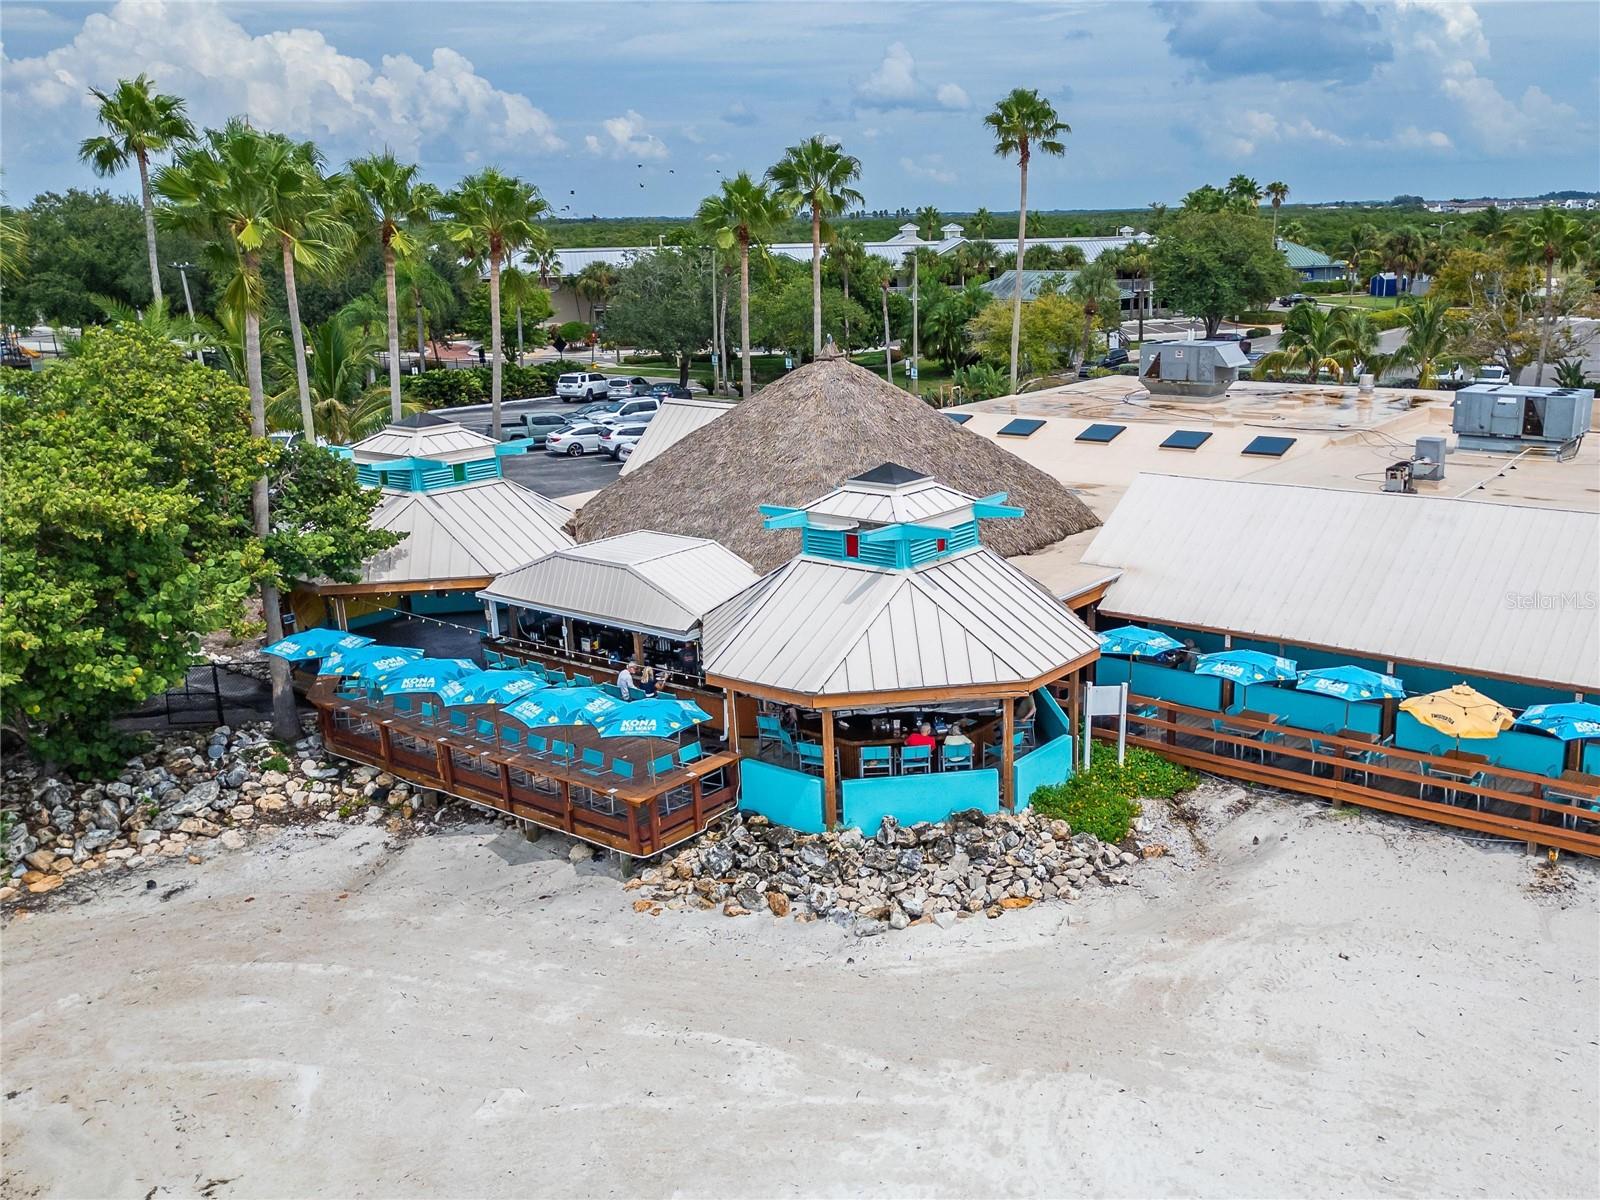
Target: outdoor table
[1468, 769]
[1256, 735]
[1368, 742]
[1582, 792]
[850, 734]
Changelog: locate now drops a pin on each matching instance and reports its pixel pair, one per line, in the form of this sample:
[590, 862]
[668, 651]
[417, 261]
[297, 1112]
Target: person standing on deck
[625, 680]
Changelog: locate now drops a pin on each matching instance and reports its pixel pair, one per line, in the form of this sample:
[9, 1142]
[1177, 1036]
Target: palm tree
[1403, 253]
[594, 284]
[387, 205]
[492, 216]
[345, 408]
[1023, 122]
[1134, 262]
[846, 254]
[139, 122]
[1277, 192]
[426, 290]
[1490, 224]
[1431, 335]
[1359, 244]
[743, 213]
[1313, 339]
[221, 190]
[1095, 288]
[305, 215]
[980, 223]
[1243, 192]
[816, 175]
[517, 288]
[1548, 239]
[1360, 337]
[547, 262]
[928, 219]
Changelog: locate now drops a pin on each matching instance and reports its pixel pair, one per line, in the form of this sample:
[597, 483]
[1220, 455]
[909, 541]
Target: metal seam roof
[472, 531]
[1499, 589]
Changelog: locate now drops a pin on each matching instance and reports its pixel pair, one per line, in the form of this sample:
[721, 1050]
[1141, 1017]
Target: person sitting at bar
[647, 682]
[922, 737]
[625, 680]
[957, 737]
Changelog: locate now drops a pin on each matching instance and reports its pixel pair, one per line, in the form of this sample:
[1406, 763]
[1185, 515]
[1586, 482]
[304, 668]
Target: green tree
[845, 257]
[1277, 192]
[816, 176]
[949, 312]
[222, 190]
[1021, 123]
[1051, 333]
[781, 314]
[662, 302]
[928, 219]
[742, 214]
[1433, 340]
[527, 299]
[138, 122]
[1360, 244]
[1490, 225]
[1243, 193]
[1313, 341]
[388, 206]
[492, 216]
[1551, 241]
[127, 533]
[1094, 289]
[595, 284]
[980, 224]
[344, 406]
[1214, 264]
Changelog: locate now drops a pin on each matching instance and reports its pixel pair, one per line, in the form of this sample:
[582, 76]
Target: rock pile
[191, 794]
[899, 876]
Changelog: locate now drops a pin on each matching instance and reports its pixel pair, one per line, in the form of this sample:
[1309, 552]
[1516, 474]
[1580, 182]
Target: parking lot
[547, 474]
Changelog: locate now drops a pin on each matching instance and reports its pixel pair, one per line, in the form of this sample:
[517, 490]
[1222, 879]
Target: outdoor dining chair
[593, 763]
[662, 764]
[581, 680]
[956, 758]
[994, 753]
[538, 746]
[877, 760]
[509, 735]
[690, 752]
[484, 727]
[768, 729]
[562, 752]
[810, 756]
[622, 769]
[916, 760]
[787, 744]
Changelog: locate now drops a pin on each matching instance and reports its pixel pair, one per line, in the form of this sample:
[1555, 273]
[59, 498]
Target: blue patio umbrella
[1571, 721]
[1246, 666]
[318, 642]
[424, 676]
[368, 662]
[494, 686]
[1130, 641]
[1351, 683]
[652, 718]
[563, 706]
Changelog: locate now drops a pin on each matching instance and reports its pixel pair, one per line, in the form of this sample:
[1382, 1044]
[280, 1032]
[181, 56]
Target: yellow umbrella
[1460, 711]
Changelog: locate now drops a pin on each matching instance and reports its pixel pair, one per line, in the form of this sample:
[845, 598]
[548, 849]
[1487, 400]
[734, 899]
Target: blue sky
[627, 109]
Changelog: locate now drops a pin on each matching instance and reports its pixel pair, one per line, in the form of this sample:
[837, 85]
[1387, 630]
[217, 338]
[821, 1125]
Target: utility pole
[916, 343]
[183, 274]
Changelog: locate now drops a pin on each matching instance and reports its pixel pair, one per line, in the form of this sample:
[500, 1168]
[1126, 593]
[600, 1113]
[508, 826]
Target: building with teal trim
[462, 524]
[894, 614]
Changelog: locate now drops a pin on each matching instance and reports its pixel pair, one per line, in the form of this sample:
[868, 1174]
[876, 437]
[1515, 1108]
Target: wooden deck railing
[602, 670]
[638, 817]
[1507, 803]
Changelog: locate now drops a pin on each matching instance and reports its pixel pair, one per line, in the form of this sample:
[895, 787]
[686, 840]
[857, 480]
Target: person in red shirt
[922, 737]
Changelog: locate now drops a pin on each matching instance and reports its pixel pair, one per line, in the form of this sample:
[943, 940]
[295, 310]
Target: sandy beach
[1295, 1002]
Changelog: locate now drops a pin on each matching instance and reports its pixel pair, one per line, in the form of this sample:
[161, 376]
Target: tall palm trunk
[844, 281]
[1549, 318]
[744, 314]
[149, 227]
[291, 297]
[422, 353]
[716, 359]
[916, 322]
[1274, 223]
[816, 280]
[394, 329]
[285, 725]
[1016, 279]
[722, 333]
[494, 334]
[888, 357]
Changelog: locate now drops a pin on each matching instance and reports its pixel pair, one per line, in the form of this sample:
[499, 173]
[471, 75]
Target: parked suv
[615, 438]
[623, 386]
[634, 412]
[676, 391]
[583, 385]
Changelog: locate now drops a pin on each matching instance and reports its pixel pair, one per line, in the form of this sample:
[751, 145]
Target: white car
[625, 451]
[583, 385]
[618, 436]
[576, 441]
[633, 412]
[621, 386]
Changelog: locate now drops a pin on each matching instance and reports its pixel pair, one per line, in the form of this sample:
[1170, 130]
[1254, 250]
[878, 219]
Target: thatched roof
[800, 438]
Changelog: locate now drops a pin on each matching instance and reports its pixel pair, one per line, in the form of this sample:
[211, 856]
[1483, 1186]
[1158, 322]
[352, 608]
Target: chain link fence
[211, 694]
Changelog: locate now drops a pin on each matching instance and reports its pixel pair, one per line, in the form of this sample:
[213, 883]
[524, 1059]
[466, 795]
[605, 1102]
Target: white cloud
[626, 137]
[1250, 129]
[294, 81]
[894, 83]
[1412, 138]
[931, 167]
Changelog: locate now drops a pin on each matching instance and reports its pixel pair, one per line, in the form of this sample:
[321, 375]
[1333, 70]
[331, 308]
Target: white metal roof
[1494, 588]
[827, 628]
[425, 436]
[470, 532]
[862, 501]
[675, 420]
[653, 582]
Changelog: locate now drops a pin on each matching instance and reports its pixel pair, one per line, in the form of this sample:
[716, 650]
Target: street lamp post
[916, 338]
[183, 274]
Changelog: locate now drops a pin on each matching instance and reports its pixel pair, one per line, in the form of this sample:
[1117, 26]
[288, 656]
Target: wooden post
[733, 721]
[1075, 708]
[1008, 753]
[638, 648]
[341, 619]
[830, 773]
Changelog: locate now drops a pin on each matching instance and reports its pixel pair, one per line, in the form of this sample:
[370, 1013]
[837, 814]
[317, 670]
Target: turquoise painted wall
[1161, 683]
[447, 602]
[1044, 764]
[1531, 752]
[913, 798]
[786, 797]
[1308, 710]
[1049, 721]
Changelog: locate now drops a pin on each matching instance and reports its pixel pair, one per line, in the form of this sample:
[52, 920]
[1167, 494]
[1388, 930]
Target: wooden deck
[1505, 802]
[638, 817]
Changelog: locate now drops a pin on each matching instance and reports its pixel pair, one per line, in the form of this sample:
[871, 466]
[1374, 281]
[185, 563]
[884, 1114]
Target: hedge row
[471, 385]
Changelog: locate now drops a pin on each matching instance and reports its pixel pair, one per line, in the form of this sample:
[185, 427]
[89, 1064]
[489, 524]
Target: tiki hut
[803, 436]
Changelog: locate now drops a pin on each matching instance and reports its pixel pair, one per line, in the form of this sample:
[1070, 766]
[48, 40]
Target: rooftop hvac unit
[1512, 418]
[1428, 463]
[1397, 477]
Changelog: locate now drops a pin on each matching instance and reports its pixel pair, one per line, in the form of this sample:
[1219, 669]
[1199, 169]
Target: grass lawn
[1362, 300]
[768, 368]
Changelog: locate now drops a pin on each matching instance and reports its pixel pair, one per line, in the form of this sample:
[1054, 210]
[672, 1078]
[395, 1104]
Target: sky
[626, 109]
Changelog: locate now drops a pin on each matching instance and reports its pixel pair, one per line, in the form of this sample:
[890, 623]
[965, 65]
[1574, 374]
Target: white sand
[1350, 1006]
